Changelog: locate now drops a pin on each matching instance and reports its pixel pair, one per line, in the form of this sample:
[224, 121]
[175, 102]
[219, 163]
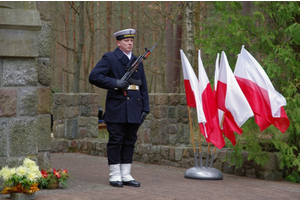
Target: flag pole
[207, 155]
[215, 149]
[200, 152]
[192, 136]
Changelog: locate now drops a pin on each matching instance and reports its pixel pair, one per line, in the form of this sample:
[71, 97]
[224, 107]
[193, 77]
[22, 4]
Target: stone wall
[25, 95]
[75, 116]
[164, 139]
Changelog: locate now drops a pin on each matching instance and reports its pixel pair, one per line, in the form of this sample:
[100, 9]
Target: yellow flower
[32, 176]
[13, 171]
[7, 174]
[21, 170]
[27, 162]
[33, 168]
[4, 170]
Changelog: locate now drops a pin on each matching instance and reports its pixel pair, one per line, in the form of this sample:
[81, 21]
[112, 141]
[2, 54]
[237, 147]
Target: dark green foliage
[271, 33]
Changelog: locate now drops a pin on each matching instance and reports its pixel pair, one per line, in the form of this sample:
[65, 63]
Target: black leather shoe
[132, 183]
[116, 183]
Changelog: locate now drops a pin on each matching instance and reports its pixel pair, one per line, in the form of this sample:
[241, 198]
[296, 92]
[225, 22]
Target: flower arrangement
[51, 176]
[23, 179]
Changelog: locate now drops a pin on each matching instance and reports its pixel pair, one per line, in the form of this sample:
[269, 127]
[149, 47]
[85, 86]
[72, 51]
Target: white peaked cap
[126, 33]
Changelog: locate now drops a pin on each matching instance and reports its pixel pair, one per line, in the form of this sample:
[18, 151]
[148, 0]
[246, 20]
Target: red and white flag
[192, 87]
[217, 69]
[266, 103]
[211, 129]
[232, 101]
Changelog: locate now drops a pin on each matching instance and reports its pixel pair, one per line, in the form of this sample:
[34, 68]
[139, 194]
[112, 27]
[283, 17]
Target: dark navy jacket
[118, 108]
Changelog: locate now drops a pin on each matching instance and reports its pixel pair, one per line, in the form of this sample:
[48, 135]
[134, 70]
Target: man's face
[125, 45]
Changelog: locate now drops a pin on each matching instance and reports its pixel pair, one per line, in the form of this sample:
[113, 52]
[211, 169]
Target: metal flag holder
[203, 172]
[199, 171]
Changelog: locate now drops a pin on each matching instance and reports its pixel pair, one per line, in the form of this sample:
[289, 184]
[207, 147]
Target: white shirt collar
[128, 55]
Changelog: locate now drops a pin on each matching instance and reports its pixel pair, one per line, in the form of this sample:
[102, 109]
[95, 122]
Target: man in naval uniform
[123, 114]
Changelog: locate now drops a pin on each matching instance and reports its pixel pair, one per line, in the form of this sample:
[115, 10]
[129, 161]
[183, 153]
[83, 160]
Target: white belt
[133, 87]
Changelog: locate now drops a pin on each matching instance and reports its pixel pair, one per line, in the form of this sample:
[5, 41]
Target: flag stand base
[203, 173]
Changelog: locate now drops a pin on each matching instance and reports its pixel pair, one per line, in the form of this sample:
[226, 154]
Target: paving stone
[90, 181]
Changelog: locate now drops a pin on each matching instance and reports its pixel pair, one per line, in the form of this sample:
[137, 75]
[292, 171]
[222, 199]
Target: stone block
[151, 98]
[44, 71]
[146, 123]
[59, 99]
[86, 110]
[44, 42]
[28, 5]
[147, 136]
[155, 149]
[161, 99]
[23, 196]
[173, 139]
[28, 101]
[159, 132]
[43, 124]
[82, 132]
[250, 173]
[100, 146]
[8, 102]
[19, 72]
[3, 138]
[144, 148]
[88, 98]
[94, 108]
[165, 152]
[72, 112]
[19, 29]
[172, 153]
[175, 99]
[60, 113]
[154, 159]
[60, 130]
[272, 163]
[239, 171]
[85, 99]
[183, 133]
[173, 128]
[183, 100]
[44, 101]
[72, 99]
[178, 153]
[43, 7]
[44, 160]
[82, 121]
[172, 112]
[11, 161]
[269, 175]
[58, 146]
[160, 112]
[22, 136]
[228, 169]
[182, 114]
[92, 127]
[71, 127]
[20, 19]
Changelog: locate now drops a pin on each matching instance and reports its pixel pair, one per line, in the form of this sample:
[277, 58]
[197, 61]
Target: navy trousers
[120, 146]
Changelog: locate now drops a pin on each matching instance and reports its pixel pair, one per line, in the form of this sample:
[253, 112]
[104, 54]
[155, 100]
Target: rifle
[135, 66]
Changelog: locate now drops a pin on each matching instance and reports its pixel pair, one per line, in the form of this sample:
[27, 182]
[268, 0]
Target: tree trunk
[189, 42]
[108, 30]
[90, 60]
[79, 48]
[170, 48]
[178, 40]
[246, 8]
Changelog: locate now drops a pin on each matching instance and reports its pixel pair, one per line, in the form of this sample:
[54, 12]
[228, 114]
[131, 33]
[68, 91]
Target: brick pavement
[90, 181]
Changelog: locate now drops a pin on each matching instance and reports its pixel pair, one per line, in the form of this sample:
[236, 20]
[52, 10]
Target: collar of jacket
[119, 53]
